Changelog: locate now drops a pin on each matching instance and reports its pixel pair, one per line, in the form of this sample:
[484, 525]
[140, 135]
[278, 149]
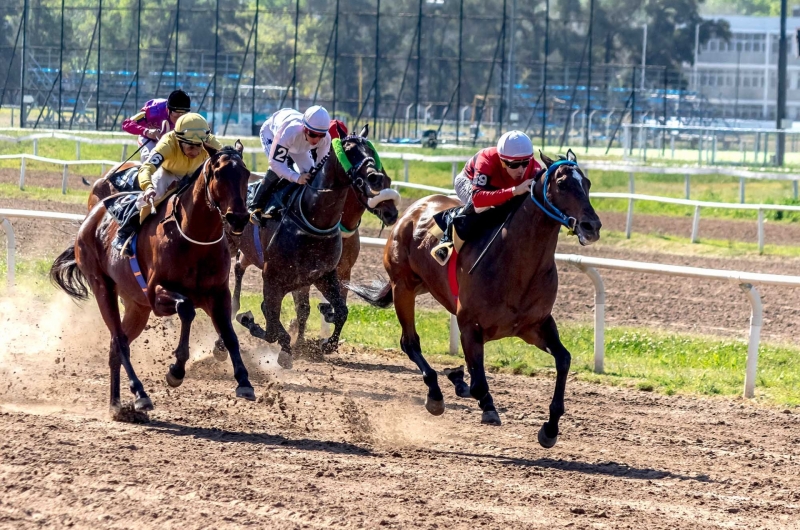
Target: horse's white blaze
[577, 176]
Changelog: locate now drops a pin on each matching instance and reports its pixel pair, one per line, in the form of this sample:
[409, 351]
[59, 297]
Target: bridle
[212, 204]
[550, 209]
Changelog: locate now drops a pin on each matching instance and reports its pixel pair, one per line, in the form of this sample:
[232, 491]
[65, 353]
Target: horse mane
[186, 183]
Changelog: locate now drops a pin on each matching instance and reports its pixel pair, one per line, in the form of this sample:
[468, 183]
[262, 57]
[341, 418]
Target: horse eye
[562, 184]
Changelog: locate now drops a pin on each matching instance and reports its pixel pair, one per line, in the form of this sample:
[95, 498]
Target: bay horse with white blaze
[185, 264]
[511, 291]
[304, 246]
[383, 206]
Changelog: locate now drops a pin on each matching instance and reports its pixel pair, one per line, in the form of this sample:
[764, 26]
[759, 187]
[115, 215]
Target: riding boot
[123, 242]
[262, 196]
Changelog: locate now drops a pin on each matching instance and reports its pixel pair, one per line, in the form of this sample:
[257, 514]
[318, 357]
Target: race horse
[103, 187]
[304, 246]
[509, 292]
[383, 206]
[184, 264]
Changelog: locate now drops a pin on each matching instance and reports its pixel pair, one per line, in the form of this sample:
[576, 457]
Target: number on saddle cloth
[122, 207]
[125, 180]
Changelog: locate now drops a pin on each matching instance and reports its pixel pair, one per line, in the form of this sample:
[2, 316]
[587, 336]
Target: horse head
[566, 192]
[371, 185]
[226, 185]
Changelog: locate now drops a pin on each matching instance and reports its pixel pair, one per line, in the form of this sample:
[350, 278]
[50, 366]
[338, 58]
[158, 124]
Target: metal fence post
[599, 317]
[760, 231]
[794, 189]
[687, 178]
[696, 225]
[455, 335]
[756, 319]
[10, 251]
[77, 149]
[64, 181]
[629, 220]
[405, 170]
[253, 161]
[741, 190]
[22, 173]
[455, 171]
[124, 152]
[35, 147]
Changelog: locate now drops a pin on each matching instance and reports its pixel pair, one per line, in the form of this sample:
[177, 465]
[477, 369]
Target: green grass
[649, 360]
[646, 359]
[37, 193]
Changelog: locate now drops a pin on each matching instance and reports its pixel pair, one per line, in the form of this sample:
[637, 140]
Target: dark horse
[184, 261]
[383, 206]
[510, 293]
[305, 245]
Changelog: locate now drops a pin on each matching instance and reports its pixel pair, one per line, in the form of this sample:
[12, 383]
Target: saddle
[122, 207]
[125, 180]
[280, 197]
[460, 224]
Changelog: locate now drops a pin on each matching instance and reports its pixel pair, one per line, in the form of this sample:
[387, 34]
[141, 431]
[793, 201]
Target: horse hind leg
[404, 303]
[105, 291]
[329, 286]
[472, 342]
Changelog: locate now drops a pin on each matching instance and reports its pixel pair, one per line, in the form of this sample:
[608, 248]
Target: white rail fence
[126, 141]
[588, 265]
[633, 197]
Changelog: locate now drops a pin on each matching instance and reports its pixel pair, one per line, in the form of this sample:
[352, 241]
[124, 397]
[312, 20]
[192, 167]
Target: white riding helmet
[316, 119]
[515, 145]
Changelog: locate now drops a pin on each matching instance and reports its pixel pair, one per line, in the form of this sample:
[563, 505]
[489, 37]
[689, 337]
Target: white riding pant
[162, 181]
[463, 187]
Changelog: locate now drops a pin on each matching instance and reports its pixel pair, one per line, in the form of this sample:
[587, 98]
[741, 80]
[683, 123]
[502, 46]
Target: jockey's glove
[153, 134]
[149, 193]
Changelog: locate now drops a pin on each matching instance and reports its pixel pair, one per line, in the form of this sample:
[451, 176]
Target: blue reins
[553, 212]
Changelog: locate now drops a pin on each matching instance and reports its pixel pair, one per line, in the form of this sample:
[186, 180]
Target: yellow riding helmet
[192, 128]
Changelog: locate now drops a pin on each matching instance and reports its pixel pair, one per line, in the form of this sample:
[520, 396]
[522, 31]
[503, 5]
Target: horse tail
[66, 275]
[378, 294]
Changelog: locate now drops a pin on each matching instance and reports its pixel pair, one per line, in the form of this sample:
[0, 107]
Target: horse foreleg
[221, 317]
[546, 338]
[302, 308]
[404, 302]
[238, 273]
[472, 342]
[329, 286]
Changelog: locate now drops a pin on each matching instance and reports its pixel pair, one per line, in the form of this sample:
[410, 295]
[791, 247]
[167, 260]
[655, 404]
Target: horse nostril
[588, 226]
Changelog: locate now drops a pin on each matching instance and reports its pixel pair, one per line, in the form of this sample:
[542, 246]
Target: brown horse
[184, 261]
[384, 206]
[305, 244]
[511, 291]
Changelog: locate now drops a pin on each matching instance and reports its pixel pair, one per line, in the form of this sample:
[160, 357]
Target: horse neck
[196, 215]
[353, 210]
[532, 236]
[323, 201]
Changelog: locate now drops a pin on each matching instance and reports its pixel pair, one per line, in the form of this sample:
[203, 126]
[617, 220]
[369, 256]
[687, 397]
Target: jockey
[496, 174]
[178, 153]
[288, 138]
[149, 125]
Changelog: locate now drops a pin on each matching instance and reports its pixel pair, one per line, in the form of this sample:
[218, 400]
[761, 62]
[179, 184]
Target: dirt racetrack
[345, 441]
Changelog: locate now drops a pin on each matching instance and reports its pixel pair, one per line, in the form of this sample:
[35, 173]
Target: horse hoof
[285, 360]
[246, 392]
[435, 407]
[173, 381]
[220, 352]
[545, 441]
[329, 346]
[245, 319]
[143, 405]
[462, 390]
[490, 417]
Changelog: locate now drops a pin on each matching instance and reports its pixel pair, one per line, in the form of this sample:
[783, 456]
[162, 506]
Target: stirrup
[446, 247]
[126, 250]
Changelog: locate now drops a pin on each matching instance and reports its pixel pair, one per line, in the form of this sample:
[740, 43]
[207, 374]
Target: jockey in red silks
[157, 117]
[496, 174]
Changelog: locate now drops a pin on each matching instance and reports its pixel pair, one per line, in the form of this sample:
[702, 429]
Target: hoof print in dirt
[128, 414]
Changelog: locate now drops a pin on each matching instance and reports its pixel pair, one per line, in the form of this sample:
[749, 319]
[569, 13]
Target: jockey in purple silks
[157, 117]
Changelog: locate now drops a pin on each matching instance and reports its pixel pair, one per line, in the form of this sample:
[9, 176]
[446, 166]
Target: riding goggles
[193, 136]
[514, 164]
[312, 134]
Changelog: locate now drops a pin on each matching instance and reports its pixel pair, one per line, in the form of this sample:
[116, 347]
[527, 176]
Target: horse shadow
[609, 468]
[256, 438]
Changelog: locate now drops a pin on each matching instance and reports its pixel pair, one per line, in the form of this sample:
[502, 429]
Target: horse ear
[340, 130]
[210, 150]
[239, 146]
[546, 159]
[365, 131]
[571, 156]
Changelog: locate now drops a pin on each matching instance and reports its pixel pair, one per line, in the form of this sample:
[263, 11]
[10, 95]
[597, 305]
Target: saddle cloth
[279, 197]
[125, 180]
[122, 207]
